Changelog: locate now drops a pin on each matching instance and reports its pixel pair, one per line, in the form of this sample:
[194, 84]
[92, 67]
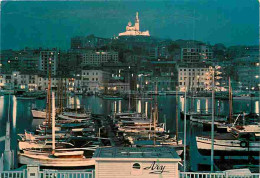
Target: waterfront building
[46, 58]
[116, 86]
[24, 81]
[193, 77]
[134, 30]
[94, 80]
[97, 58]
[136, 162]
[18, 80]
[5, 81]
[159, 83]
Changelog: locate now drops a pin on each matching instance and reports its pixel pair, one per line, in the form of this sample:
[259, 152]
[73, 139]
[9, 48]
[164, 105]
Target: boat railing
[216, 175]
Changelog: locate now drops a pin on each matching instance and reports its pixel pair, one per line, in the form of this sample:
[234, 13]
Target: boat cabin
[136, 162]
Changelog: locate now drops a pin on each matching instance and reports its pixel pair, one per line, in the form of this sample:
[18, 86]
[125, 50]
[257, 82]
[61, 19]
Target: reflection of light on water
[1, 107]
[78, 102]
[14, 111]
[257, 107]
[115, 106]
[139, 106]
[71, 102]
[119, 106]
[146, 108]
[198, 105]
[207, 106]
[182, 103]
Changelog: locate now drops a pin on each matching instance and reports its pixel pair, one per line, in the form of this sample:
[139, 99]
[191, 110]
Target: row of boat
[242, 137]
[69, 138]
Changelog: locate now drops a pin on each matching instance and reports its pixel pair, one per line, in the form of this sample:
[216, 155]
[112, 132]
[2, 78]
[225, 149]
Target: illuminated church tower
[134, 30]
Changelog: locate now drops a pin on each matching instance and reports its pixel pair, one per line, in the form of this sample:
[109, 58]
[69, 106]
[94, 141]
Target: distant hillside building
[48, 58]
[90, 41]
[96, 58]
[194, 54]
[135, 29]
[247, 72]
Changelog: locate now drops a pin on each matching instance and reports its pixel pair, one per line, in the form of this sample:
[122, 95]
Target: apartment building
[193, 77]
[97, 58]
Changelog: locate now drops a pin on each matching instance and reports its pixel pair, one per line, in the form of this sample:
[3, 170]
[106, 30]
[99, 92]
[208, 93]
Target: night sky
[52, 24]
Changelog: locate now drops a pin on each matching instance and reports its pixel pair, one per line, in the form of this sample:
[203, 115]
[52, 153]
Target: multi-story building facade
[48, 58]
[97, 58]
[94, 80]
[118, 87]
[193, 77]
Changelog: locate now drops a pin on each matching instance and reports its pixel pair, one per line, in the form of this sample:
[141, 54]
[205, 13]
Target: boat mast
[230, 101]
[129, 92]
[185, 128]
[61, 96]
[53, 123]
[177, 110]
[155, 113]
[48, 104]
[75, 101]
[212, 122]
[151, 116]
[65, 93]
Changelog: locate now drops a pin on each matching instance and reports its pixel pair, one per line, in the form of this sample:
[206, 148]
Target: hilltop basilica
[134, 30]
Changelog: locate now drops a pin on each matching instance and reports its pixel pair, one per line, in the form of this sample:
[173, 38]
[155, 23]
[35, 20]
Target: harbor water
[21, 117]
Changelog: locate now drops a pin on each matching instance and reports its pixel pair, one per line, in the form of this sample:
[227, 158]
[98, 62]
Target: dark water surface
[21, 117]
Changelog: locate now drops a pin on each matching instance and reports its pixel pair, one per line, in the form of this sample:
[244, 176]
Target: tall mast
[65, 93]
[48, 104]
[155, 113]
[61, 96]
[177, 110]
[75, 101]
[185, 127]
[230, 100]
[53, 123]
[212, 121]
[58, 95]
[129, 102]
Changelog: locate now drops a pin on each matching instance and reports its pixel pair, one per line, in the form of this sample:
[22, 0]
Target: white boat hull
[37, 114]
[228, 147]
[45, 160]
[32, 145]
